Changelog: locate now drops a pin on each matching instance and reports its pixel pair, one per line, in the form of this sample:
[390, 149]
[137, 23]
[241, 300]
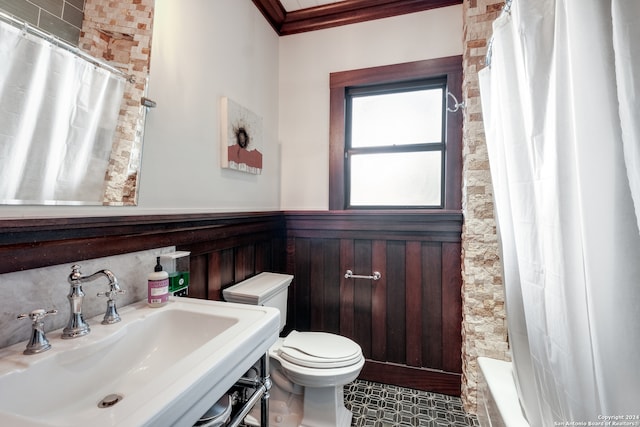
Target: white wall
[307, 59]
[201, 50]
[205, 49]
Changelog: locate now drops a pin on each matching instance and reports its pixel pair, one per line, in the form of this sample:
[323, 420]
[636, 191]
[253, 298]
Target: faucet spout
[111, 316]
[76, 276]
[77, 326]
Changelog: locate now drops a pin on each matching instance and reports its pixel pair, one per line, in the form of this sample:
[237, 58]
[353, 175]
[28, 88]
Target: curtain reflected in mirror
[71, 131]
[58, 121]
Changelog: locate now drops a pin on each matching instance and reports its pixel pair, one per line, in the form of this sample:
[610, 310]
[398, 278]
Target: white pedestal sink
[162, 366]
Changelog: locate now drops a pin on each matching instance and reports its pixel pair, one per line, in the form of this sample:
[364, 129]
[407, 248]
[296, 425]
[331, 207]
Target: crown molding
[342, 13]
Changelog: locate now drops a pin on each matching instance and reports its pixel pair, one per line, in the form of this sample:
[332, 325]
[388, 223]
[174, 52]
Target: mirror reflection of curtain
[58, 116]
[560, 104]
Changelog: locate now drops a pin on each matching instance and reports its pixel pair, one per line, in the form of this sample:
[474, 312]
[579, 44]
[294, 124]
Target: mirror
[115, 33]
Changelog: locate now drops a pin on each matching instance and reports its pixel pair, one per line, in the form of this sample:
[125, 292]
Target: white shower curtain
[561, 105]
[58, 116]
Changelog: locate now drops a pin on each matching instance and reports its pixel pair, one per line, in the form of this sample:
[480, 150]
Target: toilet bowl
[308, 369]
[318, 359]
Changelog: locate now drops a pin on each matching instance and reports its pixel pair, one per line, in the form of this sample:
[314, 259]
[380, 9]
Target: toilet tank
[268, 289]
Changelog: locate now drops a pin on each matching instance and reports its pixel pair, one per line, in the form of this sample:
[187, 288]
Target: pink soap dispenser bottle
[158, 286]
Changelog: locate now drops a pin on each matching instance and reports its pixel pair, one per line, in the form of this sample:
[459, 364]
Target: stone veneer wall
[120, 33]
[484, 326]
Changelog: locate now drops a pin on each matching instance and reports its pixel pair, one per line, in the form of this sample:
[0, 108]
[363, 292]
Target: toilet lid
[257, 290]
[320, 350]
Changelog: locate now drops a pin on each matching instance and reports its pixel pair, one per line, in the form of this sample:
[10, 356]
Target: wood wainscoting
[245, 241]
[408, 323]
[226, 260]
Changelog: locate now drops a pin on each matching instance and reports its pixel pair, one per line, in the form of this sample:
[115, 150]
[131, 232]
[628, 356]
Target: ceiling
[297, 16]
[291, 5]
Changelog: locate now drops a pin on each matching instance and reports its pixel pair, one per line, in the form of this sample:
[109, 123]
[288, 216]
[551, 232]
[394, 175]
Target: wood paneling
[220, 267]
[414, 303]
[396, 302]
[198, 281]
[418, 378]
[432, 303]
[408, 322]
[379, 304]
[451, 307]
[33, 243]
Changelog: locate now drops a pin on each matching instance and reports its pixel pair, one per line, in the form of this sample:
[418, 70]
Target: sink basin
[159, 366]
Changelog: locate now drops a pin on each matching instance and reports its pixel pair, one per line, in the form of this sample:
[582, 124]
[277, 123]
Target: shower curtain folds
[57, 124]
[560, 104]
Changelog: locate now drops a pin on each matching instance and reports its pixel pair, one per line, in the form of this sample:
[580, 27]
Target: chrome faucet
[77, 326]
[111, 316]
[38, 342]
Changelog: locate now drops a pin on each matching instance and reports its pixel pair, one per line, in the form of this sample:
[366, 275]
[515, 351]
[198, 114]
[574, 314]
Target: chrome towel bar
[349, 275]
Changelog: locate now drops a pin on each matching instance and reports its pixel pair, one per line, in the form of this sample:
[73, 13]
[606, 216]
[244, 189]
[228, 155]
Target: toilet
[308, 369]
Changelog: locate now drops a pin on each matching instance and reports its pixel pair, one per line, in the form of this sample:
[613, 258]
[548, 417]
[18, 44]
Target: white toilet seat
[325, 376]
[319, 350]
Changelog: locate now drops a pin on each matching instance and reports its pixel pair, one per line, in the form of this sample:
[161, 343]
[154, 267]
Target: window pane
[397, 118]
[396, 179]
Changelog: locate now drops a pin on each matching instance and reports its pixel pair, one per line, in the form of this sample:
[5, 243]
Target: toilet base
[324, 407]
[317, 407]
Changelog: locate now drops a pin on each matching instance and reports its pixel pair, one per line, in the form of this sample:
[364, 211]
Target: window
[393, 144]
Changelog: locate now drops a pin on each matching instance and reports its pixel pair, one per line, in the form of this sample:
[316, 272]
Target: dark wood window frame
[449, 68]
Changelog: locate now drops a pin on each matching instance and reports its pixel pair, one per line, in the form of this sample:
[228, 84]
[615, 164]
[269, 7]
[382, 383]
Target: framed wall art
[241, 138]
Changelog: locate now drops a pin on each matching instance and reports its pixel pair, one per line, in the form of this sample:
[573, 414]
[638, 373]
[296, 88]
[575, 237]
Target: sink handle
[38, 341]
[111, 316]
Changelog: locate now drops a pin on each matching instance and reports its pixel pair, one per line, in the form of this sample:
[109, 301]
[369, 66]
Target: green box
[178, 280]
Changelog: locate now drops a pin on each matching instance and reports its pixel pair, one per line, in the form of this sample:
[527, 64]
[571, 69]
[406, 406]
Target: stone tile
[54, 7]
[21, 9]
[72, 15]
[59, 28]
[78, 4]
[383, 405]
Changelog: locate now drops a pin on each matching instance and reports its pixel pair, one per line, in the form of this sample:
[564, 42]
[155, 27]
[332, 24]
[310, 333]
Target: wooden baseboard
[407, 376]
